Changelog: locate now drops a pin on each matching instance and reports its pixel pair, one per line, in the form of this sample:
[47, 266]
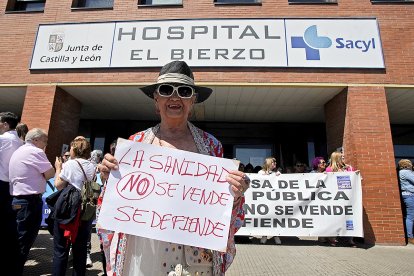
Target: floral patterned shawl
[114, 244]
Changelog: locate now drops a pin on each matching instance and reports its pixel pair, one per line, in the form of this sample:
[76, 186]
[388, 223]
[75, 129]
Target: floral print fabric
[114, 244]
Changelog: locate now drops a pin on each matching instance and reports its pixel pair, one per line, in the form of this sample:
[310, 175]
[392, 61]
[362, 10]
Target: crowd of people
[25, 168]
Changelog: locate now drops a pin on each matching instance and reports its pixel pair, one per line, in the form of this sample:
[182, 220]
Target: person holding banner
[318, 165]
[406, 177]
[174, 96]
[338, 164]
[269, 167]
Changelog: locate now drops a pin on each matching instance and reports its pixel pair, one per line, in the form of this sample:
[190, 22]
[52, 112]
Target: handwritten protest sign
[169, 195]
[310, 204]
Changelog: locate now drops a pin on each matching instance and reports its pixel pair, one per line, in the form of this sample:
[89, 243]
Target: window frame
[392, 1]
[160, 5]
[313, 2]
[75, 6]
[12, 5]
[236, 3]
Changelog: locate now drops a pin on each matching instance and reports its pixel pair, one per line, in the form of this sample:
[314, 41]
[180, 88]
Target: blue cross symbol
[311, 42]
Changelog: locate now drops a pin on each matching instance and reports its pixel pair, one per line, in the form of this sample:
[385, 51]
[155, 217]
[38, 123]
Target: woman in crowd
[22, 130]
[338, 164]
[406, 177]
[318, 165]
[174, 95]
[269, 168]
[73, 173]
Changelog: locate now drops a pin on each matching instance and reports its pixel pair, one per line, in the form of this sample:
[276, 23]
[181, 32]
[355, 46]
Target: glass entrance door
[252, 154]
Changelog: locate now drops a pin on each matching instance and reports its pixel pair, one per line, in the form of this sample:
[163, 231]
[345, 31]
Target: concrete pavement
[296, 256]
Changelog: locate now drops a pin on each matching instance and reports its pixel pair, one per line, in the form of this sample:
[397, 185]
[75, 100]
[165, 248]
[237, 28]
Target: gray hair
[96, 156]
[35, 133]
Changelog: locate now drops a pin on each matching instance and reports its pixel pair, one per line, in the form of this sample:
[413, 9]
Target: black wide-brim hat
[178, 72]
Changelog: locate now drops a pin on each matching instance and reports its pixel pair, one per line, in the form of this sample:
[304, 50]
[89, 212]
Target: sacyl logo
[55, 42]
[311, 42]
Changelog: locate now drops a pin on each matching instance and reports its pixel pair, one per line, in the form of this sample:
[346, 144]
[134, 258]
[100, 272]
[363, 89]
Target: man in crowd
[9, 143]
[28, 171]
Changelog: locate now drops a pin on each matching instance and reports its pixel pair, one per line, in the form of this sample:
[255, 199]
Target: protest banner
[169, 195]
[310, 204]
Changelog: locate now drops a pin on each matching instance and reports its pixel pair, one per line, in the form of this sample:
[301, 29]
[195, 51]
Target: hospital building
[293, 79]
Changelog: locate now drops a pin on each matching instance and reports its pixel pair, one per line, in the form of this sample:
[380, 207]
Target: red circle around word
[135, 185]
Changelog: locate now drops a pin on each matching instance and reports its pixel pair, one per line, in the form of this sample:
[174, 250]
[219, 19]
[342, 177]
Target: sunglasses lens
[166, 90]
[185, 91]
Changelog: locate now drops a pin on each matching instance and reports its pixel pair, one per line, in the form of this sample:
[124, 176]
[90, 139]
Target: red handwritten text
[203, 197]
[200, 226]
[136, 185]
[174, 166]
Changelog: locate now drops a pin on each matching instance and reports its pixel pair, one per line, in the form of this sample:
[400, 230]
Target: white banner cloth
[311, 204]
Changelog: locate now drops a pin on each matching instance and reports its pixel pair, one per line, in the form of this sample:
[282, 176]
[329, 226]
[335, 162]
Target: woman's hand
[58, 163]
[239, 182]
[108, 163]
[59, 183]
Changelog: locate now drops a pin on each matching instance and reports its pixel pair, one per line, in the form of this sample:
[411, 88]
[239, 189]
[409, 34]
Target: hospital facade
[291, 79]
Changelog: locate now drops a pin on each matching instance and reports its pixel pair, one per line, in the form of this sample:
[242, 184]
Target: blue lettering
[340, 44]
[349, 44]
[363, 45]
[358, 44]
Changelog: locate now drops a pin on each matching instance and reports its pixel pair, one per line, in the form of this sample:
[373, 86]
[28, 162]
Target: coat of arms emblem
[56, 42]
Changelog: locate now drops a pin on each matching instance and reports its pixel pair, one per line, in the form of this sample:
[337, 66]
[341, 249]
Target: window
[93, 4]
[26, 5]
[159, 2]
[237, 1]
[99, 143]
[252, 154]
[391, 1]
[313, 1]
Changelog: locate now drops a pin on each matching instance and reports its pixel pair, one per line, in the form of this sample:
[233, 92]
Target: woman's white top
[72, 173]
[263, 172]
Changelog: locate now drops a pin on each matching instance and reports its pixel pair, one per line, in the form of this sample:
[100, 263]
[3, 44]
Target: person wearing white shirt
[269, 168]
[73, 173]
[9, 143]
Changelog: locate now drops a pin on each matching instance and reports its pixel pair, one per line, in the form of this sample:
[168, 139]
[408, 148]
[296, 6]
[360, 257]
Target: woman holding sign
[174, 96]
[338, 164]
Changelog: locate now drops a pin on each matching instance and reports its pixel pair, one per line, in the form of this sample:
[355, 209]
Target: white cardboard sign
[169, 195]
